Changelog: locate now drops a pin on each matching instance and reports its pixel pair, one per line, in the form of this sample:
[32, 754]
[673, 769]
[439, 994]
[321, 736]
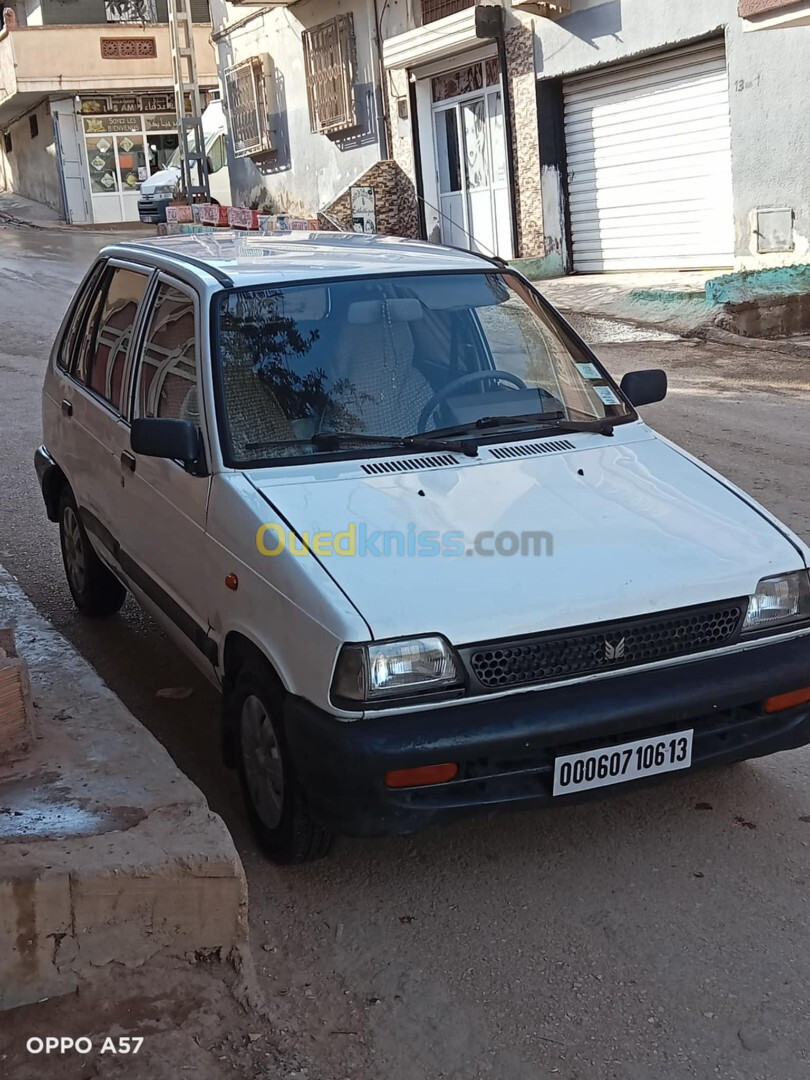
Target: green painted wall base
[544, 266]
[750, 285]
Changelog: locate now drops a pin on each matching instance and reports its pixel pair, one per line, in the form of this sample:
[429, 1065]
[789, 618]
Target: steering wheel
[491, 375]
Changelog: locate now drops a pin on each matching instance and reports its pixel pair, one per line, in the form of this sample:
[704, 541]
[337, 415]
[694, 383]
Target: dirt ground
[203, 1020]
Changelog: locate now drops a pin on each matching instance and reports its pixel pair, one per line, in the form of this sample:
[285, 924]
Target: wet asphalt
[659, 934]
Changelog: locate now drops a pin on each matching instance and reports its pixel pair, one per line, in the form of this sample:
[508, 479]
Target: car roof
[250, 258]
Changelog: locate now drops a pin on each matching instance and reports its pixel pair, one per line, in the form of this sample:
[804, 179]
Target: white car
[388, 500]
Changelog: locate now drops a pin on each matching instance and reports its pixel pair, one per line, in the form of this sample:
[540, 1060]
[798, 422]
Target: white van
[158, 191]
[389, 501]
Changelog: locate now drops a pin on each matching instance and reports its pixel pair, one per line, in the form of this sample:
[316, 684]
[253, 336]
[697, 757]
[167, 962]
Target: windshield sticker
[606, 395]
[589, 371]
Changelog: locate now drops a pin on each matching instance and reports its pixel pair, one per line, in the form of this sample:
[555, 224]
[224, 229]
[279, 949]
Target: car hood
[165, 178]
[633, 526]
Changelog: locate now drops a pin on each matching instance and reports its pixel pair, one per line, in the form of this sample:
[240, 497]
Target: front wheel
[95, 590]
[275, 802]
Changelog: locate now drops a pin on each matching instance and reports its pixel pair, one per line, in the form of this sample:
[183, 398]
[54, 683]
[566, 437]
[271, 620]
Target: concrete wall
[61, 59]
[31, 169]
[769, 91]
[309, 170]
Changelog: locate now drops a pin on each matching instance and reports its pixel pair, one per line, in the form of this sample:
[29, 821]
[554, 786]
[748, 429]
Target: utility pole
[193, 161]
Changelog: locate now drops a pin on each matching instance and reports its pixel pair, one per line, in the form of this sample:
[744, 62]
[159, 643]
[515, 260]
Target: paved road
[657, 935]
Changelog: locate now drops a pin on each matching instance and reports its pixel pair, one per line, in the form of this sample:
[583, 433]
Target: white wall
[32, 168]
[309, 169]
[769, 93]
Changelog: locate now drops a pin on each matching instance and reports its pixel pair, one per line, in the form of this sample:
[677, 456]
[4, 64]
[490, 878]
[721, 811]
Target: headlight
[165, 191]
[781, 599]
[389, 669]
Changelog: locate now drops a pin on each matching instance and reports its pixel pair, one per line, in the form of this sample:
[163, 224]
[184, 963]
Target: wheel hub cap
[74, 549]
[261, 755]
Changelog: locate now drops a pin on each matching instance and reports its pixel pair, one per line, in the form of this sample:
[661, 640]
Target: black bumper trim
[505, 746]
[47, 469]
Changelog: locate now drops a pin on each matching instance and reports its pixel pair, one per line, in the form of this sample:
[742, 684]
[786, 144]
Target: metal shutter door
[649, 163]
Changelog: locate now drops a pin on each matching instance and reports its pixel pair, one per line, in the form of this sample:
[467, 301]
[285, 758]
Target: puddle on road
[597, 330]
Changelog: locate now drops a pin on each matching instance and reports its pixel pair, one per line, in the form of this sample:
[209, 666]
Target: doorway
[117, 167]
[470, 148]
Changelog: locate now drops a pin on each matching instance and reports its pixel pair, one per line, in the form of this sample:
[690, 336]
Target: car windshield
[303, 368]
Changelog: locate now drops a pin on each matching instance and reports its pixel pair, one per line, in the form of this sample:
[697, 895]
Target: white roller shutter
[649, 163]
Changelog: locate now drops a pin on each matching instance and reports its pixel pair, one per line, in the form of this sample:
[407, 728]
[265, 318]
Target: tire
[95, 590]
[275, 802]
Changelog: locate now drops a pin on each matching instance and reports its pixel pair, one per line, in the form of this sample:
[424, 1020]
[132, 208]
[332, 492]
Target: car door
[96, 397]
[164, 505]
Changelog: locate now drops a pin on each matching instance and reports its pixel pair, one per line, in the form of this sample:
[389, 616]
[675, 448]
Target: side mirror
[209, 165]
[175, 439]
[645, 387]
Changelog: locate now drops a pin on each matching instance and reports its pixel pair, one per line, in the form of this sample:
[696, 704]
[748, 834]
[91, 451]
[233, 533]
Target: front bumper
[153, 211]
[505, 747]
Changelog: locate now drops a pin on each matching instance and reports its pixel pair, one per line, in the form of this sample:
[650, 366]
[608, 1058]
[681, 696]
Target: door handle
[67, 407]
[128, 460]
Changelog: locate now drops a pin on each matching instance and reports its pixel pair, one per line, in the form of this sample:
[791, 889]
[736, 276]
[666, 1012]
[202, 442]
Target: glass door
[471, 159]
[132, 169]
[481, 225]
[104, 182]
[451, 180]
[118, 159]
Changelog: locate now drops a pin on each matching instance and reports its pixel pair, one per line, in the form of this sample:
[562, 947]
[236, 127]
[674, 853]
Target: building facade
[87, 107]
[313, 71]
[585, 135]
[672, 136]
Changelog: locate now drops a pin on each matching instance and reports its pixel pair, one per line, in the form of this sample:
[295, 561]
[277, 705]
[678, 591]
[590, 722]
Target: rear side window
[167, 385]
[72, 336]
[102, 362]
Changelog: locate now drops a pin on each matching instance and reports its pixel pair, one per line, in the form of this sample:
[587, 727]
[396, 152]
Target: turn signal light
[424, 774]
[787, 701]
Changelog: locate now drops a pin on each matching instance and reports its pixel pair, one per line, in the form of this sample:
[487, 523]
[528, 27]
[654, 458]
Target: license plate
[618, 764]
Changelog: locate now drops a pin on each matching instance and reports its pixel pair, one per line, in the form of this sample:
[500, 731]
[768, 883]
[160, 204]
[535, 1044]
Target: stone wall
[395, 202]
[519, 44]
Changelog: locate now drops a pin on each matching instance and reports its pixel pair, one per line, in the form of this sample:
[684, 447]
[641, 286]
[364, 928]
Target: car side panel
[287, 605]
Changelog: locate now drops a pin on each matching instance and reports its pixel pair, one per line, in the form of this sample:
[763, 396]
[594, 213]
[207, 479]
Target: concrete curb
[799, 350]
[133, 227]
[108, 853]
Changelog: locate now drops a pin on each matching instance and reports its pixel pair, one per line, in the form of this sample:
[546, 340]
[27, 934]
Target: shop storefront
[126, 139]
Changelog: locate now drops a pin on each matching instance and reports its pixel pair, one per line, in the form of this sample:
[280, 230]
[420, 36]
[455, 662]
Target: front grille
[607, 646]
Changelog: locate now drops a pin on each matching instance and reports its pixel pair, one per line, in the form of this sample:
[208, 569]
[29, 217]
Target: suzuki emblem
[614, 652]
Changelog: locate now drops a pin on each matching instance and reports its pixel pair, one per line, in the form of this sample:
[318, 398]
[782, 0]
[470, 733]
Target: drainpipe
[385, 133]
[489, 24]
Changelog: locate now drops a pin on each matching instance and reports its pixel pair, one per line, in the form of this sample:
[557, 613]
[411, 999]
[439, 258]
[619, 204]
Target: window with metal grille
[330, 62]
[247, 108]
[437, 9]
[131, 11]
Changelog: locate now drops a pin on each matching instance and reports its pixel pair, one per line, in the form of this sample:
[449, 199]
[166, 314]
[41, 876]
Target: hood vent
[520, 450]
[402, 465]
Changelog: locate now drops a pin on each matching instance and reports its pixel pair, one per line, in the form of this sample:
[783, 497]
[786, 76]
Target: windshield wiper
[550, 423]
[414, 442]
[338, 438]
